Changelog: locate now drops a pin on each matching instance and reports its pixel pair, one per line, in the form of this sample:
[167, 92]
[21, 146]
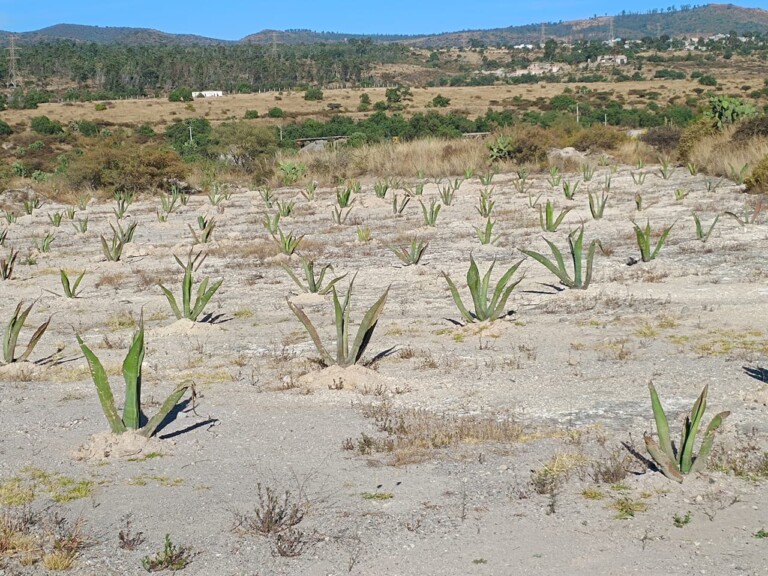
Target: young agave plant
[131, 419]
[12, 331]
[189, 309]
[70, 290]
[314, 284]
[547, 219]
[485, 309]
[676, 461]
[575, 244]
[644, 241]
[410, 254]
[345, 355]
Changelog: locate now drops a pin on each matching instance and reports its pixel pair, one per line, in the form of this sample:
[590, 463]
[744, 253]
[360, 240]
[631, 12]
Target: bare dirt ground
[560, 385]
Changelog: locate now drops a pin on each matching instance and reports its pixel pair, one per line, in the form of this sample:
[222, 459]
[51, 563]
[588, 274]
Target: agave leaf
[186, 290]
[341, 328]
[101, 381]
[502, 292]
[33, 341]
[556, 269]
[475, 287]
[667, 465]
[331, 284]
[11, 334]
[662, 425]
[295, 278]
[482, 310]
[366, 328]
[151, 426]
[661, 241]
[132, 376]
[203, 296]
[590, 260]
[327, 358]
[690, 429]
[172, 301]
[77, 283]
[457, 299]
[706, 444]
[576, 251]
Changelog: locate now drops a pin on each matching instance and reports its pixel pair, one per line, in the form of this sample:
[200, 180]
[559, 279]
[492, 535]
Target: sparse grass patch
[412, 435]
[627, 507]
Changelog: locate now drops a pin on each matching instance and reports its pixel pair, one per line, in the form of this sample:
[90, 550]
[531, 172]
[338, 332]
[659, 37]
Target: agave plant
[575, 244]
[6, 265]
[410, 254]
[70, 289]
[547, 217]
[12, 331]
[674, 461]
[314, 284]
[644, 241]
[345, 355]
[191, 310]
[131, 419]
[485, 309]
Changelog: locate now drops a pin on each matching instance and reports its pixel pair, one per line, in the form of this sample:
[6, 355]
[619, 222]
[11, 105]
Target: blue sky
[234, 19]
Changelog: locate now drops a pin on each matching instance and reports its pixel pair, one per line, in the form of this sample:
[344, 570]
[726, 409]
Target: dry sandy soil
[560, 384]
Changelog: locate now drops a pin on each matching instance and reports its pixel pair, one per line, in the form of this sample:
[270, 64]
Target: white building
[208, 94]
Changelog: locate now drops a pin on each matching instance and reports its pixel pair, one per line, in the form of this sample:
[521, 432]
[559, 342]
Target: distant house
[208, 94]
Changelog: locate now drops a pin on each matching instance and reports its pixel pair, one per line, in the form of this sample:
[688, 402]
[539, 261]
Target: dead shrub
[598, 138]
[665, 139]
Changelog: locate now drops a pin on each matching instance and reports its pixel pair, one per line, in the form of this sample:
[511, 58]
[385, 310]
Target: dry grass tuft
[412, 435]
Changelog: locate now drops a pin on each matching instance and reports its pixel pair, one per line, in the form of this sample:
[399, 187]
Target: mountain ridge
[697, 21]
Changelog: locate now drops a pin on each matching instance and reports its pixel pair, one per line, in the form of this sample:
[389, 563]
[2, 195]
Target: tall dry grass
[719, 155]
[434, 158]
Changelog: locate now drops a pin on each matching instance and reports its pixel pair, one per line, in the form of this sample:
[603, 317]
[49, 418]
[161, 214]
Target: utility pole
[14, 78]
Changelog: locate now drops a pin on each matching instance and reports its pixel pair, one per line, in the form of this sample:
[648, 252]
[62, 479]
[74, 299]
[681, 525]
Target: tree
[244, 144]
[181, 95]
[189, 137]
[440, 101]
[276, 112]
[313, 93]
[44, 125]
[5, 128]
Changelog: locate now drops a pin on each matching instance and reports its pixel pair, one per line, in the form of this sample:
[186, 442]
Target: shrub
[87, 128]
[758, 180]
[440, 101]
[125, 166]
[707, 80]
[276, 112]
[144, 132]
[244, 144]
[44, 125]
[251, 114]
[663, 138]
[100, 107]
[693, 134]
[751, 128]
[5, 128]
[313, 93]
[190, 144]
[181, 95]
[597, 137]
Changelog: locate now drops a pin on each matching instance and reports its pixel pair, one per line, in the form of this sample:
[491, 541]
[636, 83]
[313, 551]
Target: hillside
[702, 21]
[699, 21]
[110, 35]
